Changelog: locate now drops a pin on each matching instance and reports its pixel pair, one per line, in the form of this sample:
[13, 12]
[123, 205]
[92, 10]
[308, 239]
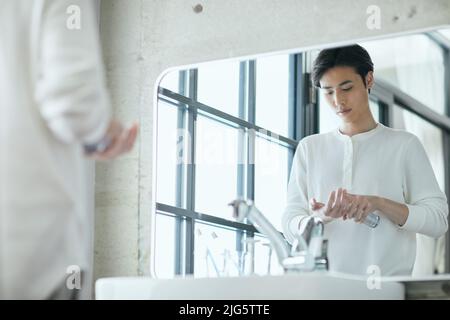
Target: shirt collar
[360, 136]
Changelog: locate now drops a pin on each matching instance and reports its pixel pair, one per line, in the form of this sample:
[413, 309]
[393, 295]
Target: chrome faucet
[310, 238]
[308, 251]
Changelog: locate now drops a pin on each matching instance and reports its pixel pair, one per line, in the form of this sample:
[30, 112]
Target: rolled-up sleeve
[71, 91]
[297, 199]
[427, 204]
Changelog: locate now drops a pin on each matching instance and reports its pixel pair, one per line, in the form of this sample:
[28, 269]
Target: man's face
[345, 92]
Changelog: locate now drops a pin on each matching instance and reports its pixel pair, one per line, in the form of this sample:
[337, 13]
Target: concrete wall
[142, 38]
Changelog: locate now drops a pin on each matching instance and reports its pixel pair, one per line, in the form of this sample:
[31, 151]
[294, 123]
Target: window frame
[188, 109]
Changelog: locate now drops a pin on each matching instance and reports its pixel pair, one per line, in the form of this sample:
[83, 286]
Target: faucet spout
[245, 209]
[309, 250]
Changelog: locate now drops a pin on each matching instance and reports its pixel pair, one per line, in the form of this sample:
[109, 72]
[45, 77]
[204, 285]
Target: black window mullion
[301, 97]
[251, 138]
[385, 99]
[243, 77]
[292, 99]
[295, 76]
[307, 97]
[180, 178]
[251, 117]
[385, 113]
[190, 192]
[241, 162]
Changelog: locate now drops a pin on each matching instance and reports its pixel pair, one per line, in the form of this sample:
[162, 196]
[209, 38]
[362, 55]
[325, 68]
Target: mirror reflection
[299, 135]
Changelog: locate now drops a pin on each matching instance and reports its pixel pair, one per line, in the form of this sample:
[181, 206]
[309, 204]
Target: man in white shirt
[363, 168]
[53, 102]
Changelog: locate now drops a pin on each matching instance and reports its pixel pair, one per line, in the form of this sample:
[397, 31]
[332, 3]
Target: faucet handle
[240, 208]
[309, 227]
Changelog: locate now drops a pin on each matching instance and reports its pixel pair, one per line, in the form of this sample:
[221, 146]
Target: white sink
[285, 287]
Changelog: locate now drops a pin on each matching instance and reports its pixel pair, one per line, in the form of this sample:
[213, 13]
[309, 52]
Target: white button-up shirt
[382, 162]
[53, 98]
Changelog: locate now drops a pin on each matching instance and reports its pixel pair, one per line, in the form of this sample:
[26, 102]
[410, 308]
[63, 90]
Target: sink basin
[323, 285]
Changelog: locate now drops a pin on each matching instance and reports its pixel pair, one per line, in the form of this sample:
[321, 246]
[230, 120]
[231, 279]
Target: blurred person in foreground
[54, 115]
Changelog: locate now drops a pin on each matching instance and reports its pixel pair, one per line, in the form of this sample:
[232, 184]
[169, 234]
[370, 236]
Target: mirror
[229, 129]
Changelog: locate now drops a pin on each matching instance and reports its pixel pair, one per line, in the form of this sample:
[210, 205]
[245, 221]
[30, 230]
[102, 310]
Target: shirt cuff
[98, 132]
[415, 219]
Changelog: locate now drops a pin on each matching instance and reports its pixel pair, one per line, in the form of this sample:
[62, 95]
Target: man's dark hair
[350, 56]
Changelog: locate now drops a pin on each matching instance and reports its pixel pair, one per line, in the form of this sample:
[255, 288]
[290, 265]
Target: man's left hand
[360, 207]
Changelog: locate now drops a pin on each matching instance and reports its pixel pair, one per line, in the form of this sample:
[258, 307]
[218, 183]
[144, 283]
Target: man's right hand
[122, 141]
[336, 207]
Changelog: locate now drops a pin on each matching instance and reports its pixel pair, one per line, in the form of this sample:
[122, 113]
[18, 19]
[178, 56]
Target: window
[171, 81]
[216, 163]
[218, 86]
[226, 138]
[271, 178]
[272, 89]
[165, 250]
[167, 157]
[216, 253]
[413, 64]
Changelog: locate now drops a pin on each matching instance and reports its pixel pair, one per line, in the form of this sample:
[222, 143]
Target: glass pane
[165, 246]
[375, 109]
[215, 251]
[414, 64]
[216, 167]
[218, 86]
[171, 81]
[272, 93]
[329, 121]
[166, 154]
[271, 177]
[266, 260]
